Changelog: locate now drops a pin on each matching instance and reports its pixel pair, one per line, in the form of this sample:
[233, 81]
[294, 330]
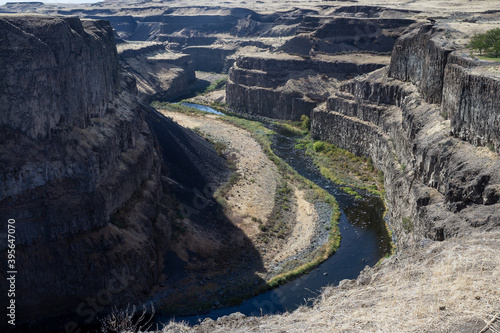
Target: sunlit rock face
[421, 119]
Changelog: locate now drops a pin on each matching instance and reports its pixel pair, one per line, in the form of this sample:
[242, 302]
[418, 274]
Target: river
[364, 242]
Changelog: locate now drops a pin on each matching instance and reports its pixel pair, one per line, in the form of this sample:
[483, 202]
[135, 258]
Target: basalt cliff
[159, 73]
[290, 84]
[425, 124]
[428, 118]
[75, 150]
[86, 173]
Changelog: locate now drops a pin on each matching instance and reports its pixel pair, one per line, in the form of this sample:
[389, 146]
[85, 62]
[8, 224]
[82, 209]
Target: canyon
[102, 186]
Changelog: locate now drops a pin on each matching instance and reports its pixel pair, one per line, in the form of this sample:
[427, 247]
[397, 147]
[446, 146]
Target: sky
[3, 2]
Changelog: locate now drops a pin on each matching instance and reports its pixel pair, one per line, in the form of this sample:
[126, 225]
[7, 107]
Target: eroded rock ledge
[410, 118]
[159, 73]
[420, 118]
[290, 83]
[287, 86]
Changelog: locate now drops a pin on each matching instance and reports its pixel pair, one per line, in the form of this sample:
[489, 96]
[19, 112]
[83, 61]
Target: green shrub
[219, 148]
[370, 164]
[380, 176]
[305, 122]
[488, 42]
[407, 224]
[216, 85]
[350, 191]
[319, 146]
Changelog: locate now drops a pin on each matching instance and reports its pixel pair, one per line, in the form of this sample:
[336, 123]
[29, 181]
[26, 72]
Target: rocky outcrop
[211, 23]
[420, 57]
[372, 11]
[130, 50]
[470, 101]
[159, 73]
[210, 34]
[285, 86]
[211, 58]
[467, 90]
[58, 59]
[436, 185]
[241, 22]
[327, 34]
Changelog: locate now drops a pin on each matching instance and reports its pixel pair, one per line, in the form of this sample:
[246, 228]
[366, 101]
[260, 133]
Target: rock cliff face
[160, 74]
[327, 34]
[419, 57]
[87, 156]
[467, 91]
[36, 48]
[210, 58]
[470, 100]
[87, 180]
[210, 34]
[436, 184]
[285, 86]
[288, 85]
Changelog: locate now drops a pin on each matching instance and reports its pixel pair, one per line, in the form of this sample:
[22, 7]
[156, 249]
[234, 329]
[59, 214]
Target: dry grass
[450, 286]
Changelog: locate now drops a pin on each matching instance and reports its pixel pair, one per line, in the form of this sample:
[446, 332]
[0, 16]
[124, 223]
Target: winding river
[364, 242]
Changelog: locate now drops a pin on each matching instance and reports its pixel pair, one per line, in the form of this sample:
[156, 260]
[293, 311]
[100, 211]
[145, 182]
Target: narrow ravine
[364, 242]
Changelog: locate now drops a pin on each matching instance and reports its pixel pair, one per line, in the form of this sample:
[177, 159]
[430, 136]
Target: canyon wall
[464, 87]
[210, 58]
[98, 183]
[333, 34]
[292, 82]
[59, 58]
[80, 171]
[286, 86]
[210, 34]
[471, 102]
[159, 73]
[436, 184]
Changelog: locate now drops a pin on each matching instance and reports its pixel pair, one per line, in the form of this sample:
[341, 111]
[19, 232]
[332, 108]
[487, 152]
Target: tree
[496, 49]
[305, 122]
[488, 42]
[478, 43]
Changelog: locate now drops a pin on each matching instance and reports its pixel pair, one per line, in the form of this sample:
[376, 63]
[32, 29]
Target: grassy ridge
[488, 58]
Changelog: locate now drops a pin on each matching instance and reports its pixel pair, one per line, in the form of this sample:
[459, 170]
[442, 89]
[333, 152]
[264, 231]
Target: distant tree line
[487, 43]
